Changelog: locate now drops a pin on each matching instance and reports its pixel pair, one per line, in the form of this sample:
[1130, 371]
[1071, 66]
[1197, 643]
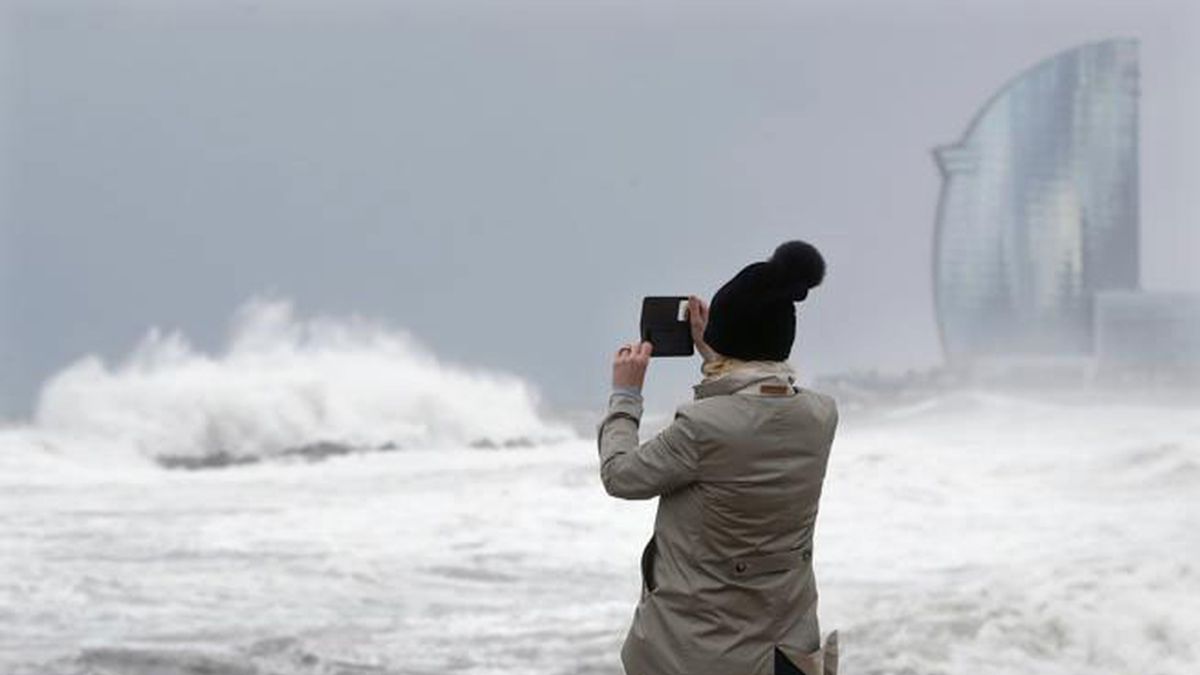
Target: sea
[326, 496]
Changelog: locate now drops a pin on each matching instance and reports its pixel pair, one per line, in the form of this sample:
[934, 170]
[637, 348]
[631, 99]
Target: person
[727, 579]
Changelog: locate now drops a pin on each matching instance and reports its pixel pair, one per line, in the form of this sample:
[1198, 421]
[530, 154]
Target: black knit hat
[752, 317]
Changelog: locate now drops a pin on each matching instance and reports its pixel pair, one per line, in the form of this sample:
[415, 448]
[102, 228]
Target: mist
[507, 184]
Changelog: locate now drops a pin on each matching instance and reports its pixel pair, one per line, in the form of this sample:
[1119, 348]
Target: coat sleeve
[631, 471]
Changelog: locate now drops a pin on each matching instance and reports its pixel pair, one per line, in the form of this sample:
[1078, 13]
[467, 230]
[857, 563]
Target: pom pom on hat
[799, 266]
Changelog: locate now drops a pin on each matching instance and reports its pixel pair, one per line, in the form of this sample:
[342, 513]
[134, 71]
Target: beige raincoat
[727, 580]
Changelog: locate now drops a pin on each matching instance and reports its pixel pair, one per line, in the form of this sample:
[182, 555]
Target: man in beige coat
[727, 579]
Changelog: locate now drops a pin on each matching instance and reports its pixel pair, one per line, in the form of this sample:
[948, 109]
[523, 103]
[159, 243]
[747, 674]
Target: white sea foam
[967, 533]
[280, 385]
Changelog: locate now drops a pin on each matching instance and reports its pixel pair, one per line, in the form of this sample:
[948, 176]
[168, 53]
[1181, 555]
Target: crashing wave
[282, 388]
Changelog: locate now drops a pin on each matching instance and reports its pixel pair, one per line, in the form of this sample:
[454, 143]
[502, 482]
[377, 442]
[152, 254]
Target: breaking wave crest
[281, 387]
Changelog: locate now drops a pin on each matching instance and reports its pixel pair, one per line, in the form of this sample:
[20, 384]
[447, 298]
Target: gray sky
[506, 180]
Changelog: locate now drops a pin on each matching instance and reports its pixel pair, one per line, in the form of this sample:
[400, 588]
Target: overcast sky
[506, 180]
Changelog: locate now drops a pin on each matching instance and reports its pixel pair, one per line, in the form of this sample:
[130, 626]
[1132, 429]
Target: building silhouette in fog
[1036, 246]
[1039, 208]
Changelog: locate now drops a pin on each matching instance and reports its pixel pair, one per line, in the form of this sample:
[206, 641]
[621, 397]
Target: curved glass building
[1039, 208]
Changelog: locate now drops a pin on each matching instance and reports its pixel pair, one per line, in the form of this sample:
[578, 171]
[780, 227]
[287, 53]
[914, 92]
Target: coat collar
[742, 378]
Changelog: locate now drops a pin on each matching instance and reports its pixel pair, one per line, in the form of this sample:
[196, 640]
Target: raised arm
[630, 470]
[633, 470]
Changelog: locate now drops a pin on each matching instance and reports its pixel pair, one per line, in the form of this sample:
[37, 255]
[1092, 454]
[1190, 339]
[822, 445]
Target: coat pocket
[766, 563]
[649, 552]
[824, 661]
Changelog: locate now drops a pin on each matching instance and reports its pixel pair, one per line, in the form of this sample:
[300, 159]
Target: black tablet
[665, 325]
